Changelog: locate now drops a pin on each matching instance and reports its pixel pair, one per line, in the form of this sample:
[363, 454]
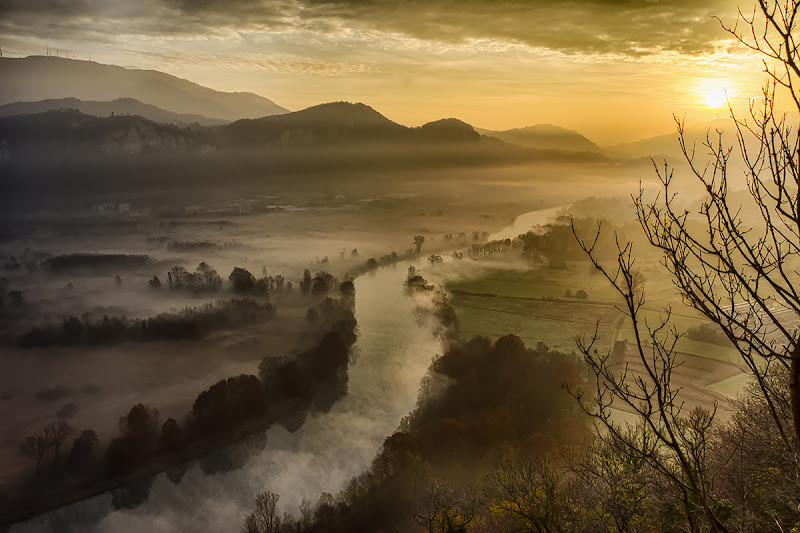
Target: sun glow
[715, 98]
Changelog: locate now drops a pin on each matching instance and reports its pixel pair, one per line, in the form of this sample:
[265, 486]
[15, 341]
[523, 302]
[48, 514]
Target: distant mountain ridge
[337, 124]
[544, 137]
[41, 78]
[120, 106]
[355, 132]
[667, 144]
[340, 123]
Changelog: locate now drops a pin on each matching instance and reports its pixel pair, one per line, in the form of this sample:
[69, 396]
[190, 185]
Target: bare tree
[736, 264]
[265, 518]
[59, 431]
[306, 515]
[531, 494]
[740, 272]
[442, 507]
[671, 440]
[615, 489]
[37, 445]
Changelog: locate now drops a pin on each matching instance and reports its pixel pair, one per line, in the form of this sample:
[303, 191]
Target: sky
[614, 70]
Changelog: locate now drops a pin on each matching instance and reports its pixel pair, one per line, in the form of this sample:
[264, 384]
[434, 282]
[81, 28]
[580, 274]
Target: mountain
[40, 78]
[340, 133]
[120, 106]
[448, 130]
[65, 153]
[340, 123]
[544, 137]
[667, 145]
[68, 133]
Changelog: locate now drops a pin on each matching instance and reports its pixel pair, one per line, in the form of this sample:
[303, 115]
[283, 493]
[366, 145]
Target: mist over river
[390, 356]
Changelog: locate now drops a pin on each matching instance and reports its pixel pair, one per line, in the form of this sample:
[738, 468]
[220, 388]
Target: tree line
[285, 390]
[188, 324]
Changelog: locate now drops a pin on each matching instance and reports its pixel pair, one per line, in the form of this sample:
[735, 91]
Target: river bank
[389, 358]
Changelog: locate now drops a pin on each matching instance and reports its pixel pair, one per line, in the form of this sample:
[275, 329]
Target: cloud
[630, 27]
[623, 27]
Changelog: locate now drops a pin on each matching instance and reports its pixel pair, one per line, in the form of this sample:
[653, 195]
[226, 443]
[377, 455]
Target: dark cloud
[629, 27]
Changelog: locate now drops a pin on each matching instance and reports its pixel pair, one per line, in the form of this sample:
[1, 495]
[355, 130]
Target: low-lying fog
[390, 356]
[92, 386]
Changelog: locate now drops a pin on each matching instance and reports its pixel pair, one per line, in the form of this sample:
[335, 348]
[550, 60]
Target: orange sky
[615, 70]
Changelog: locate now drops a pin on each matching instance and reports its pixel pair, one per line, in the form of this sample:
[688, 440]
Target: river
[390, 356]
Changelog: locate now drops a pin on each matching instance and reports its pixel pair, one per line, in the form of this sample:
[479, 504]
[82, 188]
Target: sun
[716, 98]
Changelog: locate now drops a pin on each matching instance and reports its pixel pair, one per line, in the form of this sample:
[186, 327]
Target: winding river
[390, 356]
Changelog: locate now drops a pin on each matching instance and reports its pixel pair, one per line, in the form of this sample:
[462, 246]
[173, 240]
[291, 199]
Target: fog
[273, 229]
[391, 355]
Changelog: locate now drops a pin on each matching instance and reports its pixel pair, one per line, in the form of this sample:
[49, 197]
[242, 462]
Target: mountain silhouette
[340, 132]
[70, 133]
[339, 123]
[448, 130]
[120, 106]
[39, 78]
[545, 137]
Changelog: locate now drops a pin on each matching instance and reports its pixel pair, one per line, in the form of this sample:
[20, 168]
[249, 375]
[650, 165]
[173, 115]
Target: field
[534, 304]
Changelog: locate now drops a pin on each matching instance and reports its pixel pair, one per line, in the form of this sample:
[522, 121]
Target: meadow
[539, 304]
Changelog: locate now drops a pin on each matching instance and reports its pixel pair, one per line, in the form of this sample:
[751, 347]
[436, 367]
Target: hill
[40, 78]
[667, 145]
[545, 137]
[324, 124]
[340, 123]
[69, 133]
[70, 154]
[120, 106]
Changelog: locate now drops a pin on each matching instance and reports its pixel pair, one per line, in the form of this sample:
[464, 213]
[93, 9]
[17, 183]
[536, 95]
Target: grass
[554, 323]
[532, 305]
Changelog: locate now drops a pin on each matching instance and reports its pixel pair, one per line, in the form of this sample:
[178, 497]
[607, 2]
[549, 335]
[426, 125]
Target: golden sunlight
[715, 98]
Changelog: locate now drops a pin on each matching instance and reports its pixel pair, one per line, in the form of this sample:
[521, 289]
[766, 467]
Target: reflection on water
[391, 355]
[525, 222]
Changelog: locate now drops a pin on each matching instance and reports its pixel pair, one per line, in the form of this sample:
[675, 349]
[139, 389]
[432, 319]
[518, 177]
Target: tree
[83, 447]
[419, 240]
[242, 280]
[177, 277]
[736, 266]
[305, 283]
[347, 291]
[172, 435]
[208, 278]
[739, 272]
[443, 508]
[59, 431]
[141, 424]
[322, 284]
[671, 441]
[530, 492]
[37, 445]
[154, 283]
[265, 518]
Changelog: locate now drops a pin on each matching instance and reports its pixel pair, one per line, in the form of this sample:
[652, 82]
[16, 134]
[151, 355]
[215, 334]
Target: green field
[533, 305]
[556, 323]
